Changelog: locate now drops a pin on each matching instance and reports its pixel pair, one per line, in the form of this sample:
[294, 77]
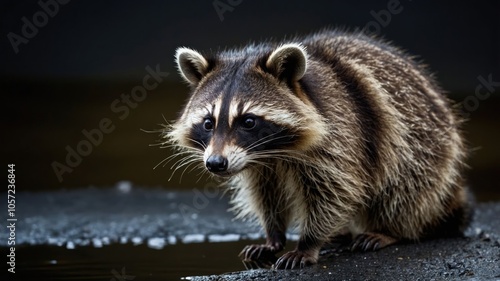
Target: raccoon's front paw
[259, 256]
[294, 259]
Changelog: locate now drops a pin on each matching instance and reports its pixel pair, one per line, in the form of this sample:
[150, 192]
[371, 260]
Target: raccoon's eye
[208, 124]
[249, 123]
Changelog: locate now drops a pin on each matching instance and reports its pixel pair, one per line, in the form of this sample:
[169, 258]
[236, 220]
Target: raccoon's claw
[371, 241]
[334, 249]
[258, 256]
[295, 259]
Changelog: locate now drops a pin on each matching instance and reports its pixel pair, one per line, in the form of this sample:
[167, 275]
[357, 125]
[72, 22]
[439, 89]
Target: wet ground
[476, 257]
[126, 233]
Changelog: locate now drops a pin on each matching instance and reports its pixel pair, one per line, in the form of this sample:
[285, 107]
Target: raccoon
[338, 133]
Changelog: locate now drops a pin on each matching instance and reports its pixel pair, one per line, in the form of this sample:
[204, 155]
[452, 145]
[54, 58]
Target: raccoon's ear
[288, 62]
[191, 64]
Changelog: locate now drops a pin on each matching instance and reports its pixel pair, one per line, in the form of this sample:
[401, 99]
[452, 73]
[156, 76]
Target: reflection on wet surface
[124, 262]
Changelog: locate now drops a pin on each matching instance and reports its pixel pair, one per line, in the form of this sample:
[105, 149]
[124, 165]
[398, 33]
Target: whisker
[259, 141]
[188, 163]
[152, 131]
[285, 155]
[196, 167]
[200, 143]
[183, 161]
[187, 166]
[178, 161]
[260, 163]
[156, 144]
[264, 141]
[180, 166]
[202, 173]
[169, 145]
[170, 158]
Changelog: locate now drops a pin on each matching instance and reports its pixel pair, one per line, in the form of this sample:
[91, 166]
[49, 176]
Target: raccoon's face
[244, 108]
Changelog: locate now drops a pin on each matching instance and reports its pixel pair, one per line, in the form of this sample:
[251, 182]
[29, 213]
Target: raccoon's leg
[273, 212]
[314, 233]
[306, 253]
[324, 214]
[371, 241]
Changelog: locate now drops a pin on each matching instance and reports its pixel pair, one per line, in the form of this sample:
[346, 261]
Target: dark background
[65, 78]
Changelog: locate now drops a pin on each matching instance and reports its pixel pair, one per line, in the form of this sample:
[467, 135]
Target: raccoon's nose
[216, 163]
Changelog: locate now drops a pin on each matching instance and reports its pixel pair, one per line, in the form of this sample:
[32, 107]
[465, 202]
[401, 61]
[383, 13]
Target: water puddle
[128, 261]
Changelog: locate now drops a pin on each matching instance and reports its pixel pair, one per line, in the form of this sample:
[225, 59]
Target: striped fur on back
[350, 135]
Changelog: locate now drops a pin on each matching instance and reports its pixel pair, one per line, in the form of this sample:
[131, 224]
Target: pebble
[193, 238]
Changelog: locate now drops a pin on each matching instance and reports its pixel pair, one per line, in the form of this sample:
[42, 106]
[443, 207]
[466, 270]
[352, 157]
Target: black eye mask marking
[248, 131]
[201, 133]
[256, 134]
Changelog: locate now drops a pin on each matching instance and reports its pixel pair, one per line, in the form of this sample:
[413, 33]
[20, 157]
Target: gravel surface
[122, 213]
[125, 214]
